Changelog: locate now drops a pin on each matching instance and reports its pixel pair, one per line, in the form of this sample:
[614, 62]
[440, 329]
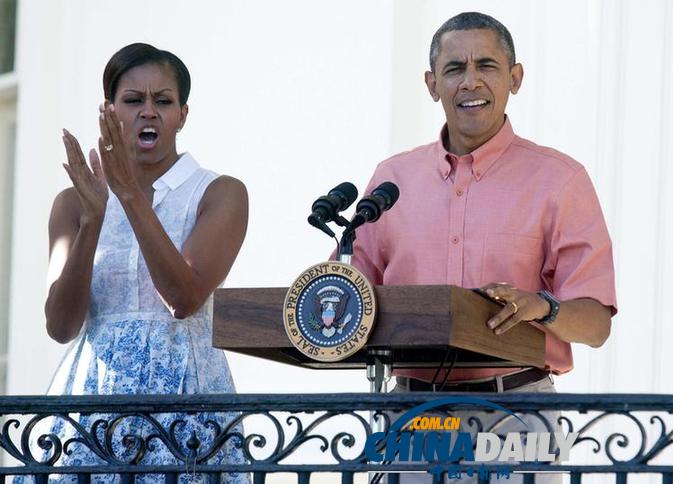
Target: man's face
[473, 80]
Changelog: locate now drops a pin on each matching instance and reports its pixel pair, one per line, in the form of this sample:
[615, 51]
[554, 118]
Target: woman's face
[147, 103]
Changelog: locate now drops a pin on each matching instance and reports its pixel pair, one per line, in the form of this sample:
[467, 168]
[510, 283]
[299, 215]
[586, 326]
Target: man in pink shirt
[482, 207]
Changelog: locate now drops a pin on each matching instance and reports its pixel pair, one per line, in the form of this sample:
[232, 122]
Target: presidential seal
[329, 311]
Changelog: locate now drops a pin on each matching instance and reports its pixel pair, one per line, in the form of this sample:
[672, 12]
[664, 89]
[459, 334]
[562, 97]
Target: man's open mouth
[473, 104]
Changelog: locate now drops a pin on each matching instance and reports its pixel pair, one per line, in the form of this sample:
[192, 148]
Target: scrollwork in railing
[303, 433]
[128, 438]
[338, 426]
[643, 450]
[124, 439]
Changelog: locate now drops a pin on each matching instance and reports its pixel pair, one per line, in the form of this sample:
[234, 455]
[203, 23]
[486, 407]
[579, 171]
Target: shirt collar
[177, 174]
[482, 158]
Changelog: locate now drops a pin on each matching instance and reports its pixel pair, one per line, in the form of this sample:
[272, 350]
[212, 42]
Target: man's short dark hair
[472, 21]
[140, 54]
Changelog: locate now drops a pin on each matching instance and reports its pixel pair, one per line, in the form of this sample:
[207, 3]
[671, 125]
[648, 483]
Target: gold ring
[108, 147]
[516, 308]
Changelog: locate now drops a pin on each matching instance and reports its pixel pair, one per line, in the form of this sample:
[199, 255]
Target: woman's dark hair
[139, 54]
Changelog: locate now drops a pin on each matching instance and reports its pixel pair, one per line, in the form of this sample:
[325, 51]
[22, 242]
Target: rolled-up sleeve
[580, 262]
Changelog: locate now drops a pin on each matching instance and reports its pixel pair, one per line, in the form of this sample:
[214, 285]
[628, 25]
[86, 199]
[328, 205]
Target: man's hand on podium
[518, 306]
[582, 320]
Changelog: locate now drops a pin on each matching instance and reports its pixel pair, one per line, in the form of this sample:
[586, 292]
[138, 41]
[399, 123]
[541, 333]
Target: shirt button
[459, 192]
[455, 240]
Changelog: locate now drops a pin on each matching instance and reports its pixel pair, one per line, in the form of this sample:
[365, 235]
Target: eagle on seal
[329, 307]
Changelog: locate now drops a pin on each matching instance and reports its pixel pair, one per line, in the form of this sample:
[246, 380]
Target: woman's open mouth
[147, 138]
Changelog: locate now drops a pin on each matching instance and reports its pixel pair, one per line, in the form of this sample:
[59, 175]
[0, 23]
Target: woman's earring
[179, 129]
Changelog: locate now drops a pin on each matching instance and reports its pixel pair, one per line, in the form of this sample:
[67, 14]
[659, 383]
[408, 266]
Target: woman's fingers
[106, 157]
[117, 128]
[101, 148]
[75, 179]
[95, 164]
[68, 170]
[104, 136]
[74, 167]
[74, 153]
[89, 183]
[78, 151]
[115, 161]
[69, 151]
[110, 128]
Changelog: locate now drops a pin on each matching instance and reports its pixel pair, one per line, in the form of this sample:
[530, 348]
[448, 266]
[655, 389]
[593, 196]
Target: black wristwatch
[554, 306]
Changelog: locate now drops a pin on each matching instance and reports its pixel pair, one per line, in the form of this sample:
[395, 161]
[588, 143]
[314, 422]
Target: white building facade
[295, 97]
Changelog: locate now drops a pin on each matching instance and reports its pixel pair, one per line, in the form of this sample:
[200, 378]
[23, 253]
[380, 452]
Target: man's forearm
[582, 320]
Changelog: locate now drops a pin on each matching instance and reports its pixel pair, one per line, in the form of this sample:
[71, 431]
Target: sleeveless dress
[131, 344]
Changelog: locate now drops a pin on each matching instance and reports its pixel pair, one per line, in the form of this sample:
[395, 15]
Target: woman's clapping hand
[89, 182]
[118, 169]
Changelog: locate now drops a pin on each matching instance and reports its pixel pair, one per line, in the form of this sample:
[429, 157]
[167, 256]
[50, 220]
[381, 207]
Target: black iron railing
[88, 436]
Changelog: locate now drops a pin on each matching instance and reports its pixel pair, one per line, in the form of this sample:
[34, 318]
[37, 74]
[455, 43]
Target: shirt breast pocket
[513, 258]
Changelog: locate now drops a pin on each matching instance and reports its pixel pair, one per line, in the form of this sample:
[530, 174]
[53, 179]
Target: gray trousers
[494, 422]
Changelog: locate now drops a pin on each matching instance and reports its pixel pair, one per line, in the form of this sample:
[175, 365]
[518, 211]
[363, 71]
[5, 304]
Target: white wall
[282, 98]
[7, 141]
[294, 97]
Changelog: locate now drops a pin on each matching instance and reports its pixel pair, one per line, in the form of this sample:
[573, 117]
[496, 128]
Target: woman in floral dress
[138, 244]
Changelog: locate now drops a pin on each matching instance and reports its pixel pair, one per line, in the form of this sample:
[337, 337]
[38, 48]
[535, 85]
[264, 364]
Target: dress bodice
[121, 286]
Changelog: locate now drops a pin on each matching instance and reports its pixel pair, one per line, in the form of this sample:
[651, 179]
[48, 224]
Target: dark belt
[509, 382]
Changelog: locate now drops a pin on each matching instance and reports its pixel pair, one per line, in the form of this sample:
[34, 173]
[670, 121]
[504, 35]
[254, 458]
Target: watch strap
[554, 306]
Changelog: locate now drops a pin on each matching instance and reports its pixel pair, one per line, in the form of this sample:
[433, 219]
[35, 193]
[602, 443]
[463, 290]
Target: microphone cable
[450, 368]
[376, 478]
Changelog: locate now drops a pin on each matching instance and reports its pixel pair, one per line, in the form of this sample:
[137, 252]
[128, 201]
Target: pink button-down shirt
[510, 211]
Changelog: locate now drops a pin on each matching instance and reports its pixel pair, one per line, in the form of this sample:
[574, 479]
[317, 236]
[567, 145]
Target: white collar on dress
[177, 174]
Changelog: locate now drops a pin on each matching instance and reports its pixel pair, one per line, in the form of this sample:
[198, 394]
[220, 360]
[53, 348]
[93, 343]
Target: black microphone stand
[379, 360]
[345, 253]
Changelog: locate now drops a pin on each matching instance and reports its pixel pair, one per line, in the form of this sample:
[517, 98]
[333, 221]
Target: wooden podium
[414, 324]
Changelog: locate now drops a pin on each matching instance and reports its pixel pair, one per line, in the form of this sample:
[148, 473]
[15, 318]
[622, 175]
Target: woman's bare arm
[74, 227]
[184, 280]
[72, 245]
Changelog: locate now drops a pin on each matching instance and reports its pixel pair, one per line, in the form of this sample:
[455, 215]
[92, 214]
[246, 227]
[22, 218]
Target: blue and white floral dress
[130, 343]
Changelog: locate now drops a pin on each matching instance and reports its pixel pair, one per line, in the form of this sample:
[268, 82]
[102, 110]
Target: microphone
[326, 209]
[370, 208]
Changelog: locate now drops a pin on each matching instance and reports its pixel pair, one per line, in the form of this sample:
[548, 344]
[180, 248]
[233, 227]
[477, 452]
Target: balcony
[616, 434]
